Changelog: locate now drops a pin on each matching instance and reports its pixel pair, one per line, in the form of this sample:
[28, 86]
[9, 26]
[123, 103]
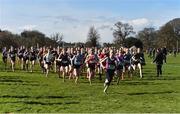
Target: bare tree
[148, 37]
[121, 31]
[57, 37]
[93, 37]
[167, 36]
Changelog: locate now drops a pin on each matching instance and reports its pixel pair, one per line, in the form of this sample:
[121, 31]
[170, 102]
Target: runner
[25, 59]
[120, 65]
[4, 57]
[101, 56]
[78, 61]
[47, 61]
[111, 63]
[127, 63]
[64, 60]
[54, 57]
[137, 60]
[71, 55]
[40, 56]
[91, 61]
[12, 55]
[32, 58]
[20, 56]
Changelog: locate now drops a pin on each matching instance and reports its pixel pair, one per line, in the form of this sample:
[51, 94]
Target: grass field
[33, 92]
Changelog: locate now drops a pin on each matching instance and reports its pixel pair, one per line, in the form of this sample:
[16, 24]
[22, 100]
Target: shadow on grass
[162, 78]
[139, 83]
[35, 97]
[14, 80]
[24, 84]
[38, 102]
[151, 93]
[42, 103]
[149, 73]
[11, 80]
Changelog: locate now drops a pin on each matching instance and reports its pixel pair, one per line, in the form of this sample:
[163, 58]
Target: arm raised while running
[59, 58]
[87, 59]
[103, 60]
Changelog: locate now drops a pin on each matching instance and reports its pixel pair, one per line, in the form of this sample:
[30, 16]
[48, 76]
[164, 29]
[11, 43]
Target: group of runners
[73, 62]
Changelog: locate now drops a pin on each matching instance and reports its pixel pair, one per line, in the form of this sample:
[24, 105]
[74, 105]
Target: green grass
[33, 92]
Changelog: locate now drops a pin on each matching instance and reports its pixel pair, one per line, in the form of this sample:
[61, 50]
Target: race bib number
[92, 62]
[111, 67]
[64, 61]
[78, 63]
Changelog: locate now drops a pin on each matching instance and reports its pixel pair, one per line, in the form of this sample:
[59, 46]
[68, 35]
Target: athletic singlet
[26, 54]
[110, 64]
[78, 60]
[101, 56]
[40, 54]
[127, 57]
[64, 58]
[20, 53]
[120, 60]
[137, 56]
[71, 58]
[92, 59]
[12, 54]
[5, 53]
[32, 54]
[48, 58]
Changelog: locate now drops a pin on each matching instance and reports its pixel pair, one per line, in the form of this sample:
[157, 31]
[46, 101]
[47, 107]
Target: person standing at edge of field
[164, 51]
[175, 52]
[159, 61]
[154, 52]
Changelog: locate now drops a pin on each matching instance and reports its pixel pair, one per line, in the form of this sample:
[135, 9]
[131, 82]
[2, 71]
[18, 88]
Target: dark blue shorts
[92, 66]
[13, 59]
[109, 75]
[76, 66]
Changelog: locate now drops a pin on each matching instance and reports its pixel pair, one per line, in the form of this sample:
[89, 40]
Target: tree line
[168, 35]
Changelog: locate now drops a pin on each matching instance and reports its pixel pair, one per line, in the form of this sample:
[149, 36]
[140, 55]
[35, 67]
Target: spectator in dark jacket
[159, 61]
[164, 51]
